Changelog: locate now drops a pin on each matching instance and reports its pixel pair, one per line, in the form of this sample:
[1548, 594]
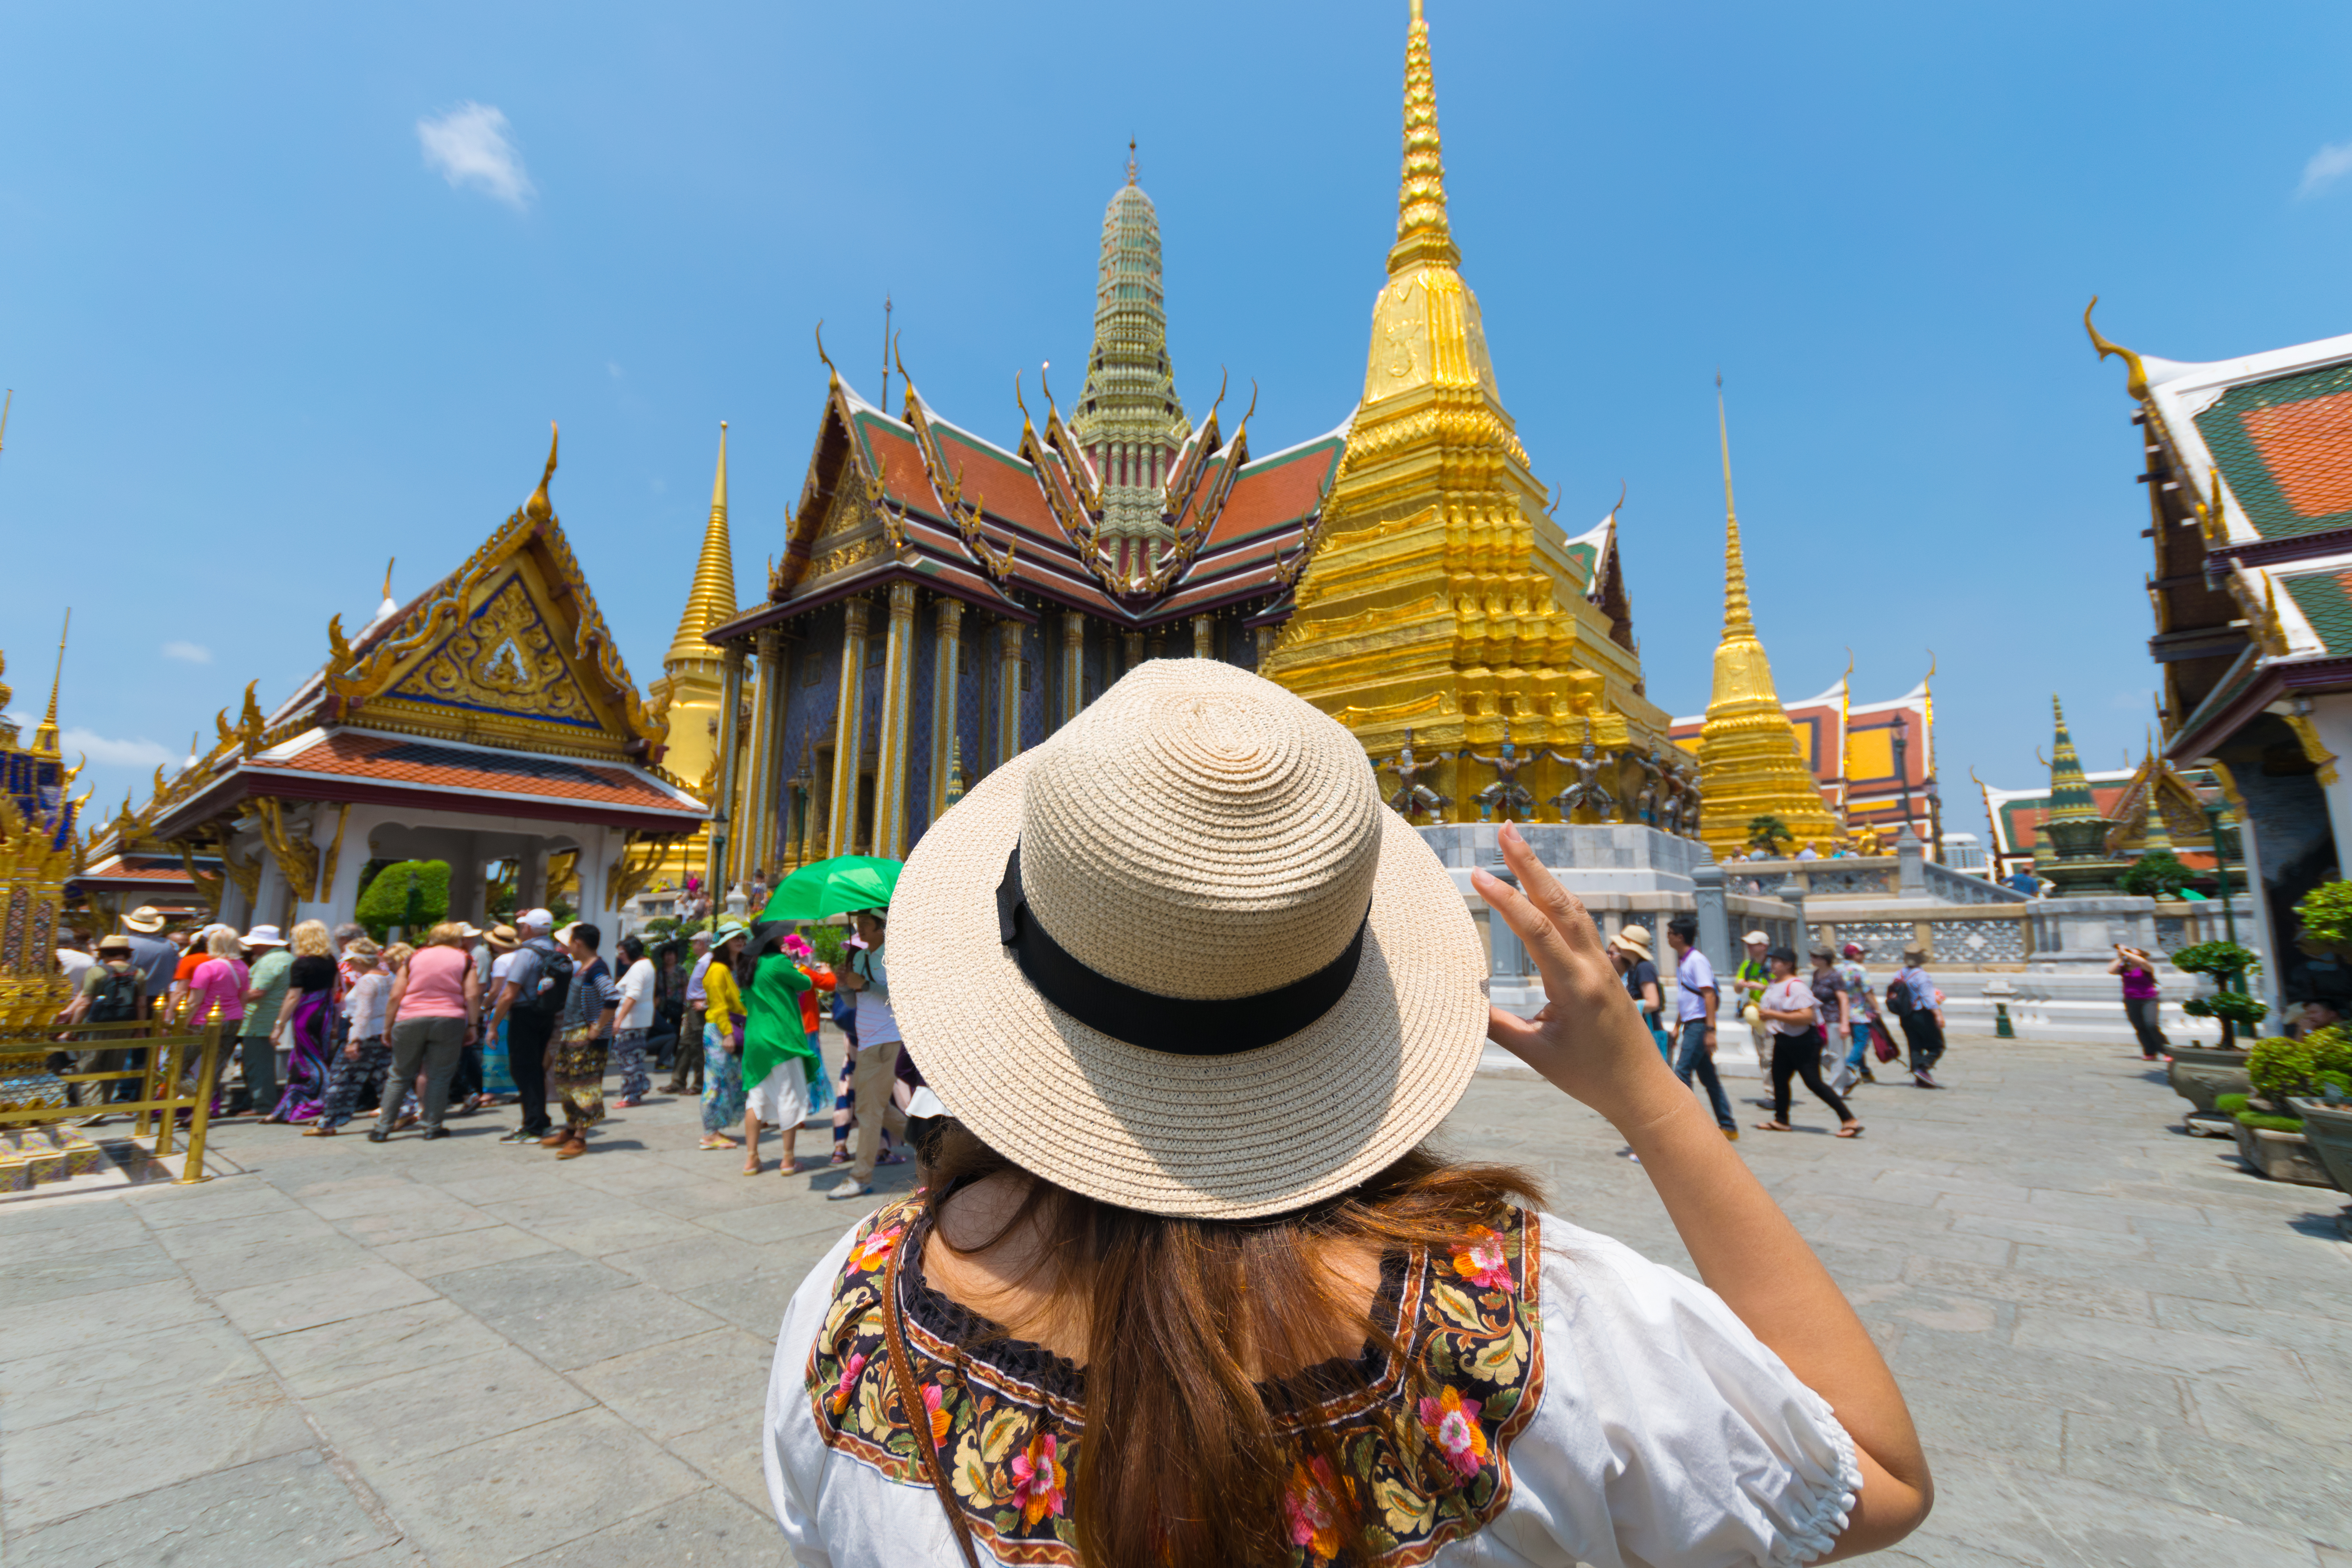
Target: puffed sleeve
[793, 1452]
[1667, 1433]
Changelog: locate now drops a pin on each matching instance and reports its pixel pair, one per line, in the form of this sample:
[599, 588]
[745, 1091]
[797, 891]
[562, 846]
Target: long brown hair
[1186, 1461]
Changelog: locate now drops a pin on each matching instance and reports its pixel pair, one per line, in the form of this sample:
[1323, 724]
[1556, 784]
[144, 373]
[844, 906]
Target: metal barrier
[188, 1066]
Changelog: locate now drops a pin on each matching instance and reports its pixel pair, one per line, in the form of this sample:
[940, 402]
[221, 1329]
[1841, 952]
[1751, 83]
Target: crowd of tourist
[319, 1027]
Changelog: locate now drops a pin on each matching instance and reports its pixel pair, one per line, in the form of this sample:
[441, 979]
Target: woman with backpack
[112, 990]
[1912, 997]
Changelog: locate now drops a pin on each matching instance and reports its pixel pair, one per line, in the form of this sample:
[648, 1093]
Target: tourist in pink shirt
[218, 985]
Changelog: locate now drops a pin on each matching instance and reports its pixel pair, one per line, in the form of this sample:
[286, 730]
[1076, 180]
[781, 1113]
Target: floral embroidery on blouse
[1007, 1418]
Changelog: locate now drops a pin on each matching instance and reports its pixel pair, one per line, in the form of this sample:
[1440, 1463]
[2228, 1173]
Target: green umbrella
[834, 887]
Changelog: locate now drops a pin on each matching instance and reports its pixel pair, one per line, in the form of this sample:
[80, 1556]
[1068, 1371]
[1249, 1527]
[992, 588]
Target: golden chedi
[1439, 597]
[692, 682]
[1749, 762]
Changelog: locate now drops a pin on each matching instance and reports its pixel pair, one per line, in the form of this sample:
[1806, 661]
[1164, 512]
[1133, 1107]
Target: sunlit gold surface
[688, 687]
[1438, 595]
[1749, 762]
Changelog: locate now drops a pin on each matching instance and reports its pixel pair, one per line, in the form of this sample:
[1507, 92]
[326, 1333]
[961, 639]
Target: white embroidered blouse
[1606, 1411]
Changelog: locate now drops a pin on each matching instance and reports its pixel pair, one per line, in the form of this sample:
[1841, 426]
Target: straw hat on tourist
[1265, 986]
[502, 939]
[264, 936]
[1634, 941]
[146, 920]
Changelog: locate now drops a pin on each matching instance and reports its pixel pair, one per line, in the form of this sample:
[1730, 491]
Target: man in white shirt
[688, 1078]
[633, 1022]
[1694, 998]
[877, 1067]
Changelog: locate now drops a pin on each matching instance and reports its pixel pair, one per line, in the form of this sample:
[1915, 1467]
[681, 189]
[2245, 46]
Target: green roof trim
[2321, 597]
[2223, 426]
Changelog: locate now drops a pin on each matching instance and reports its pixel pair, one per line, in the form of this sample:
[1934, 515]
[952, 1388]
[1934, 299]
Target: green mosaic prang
[2240, 461]
[2320, 596]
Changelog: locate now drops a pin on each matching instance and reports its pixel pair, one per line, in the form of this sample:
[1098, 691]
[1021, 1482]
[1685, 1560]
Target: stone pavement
[2121, 1348]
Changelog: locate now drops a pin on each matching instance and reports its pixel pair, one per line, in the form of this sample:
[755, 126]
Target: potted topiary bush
[2272, 1143]
[2326, 915]
[2198, 1073]
[2323, 1101]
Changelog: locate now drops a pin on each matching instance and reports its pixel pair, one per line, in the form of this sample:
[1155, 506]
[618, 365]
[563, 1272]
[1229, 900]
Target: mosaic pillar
[1205, 637]
[1131, 651]
[890, 814]
[756, 818]
[848, 729]
[1008, 691]
[1266, 634]
[947, 678]
[773, 794]
[1074, 665]
[722, 805]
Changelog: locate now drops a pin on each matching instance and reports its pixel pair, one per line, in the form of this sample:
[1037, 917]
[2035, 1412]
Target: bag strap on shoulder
[910, 1403]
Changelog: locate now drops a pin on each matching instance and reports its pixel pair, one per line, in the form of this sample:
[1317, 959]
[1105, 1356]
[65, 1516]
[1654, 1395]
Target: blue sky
[261, 341]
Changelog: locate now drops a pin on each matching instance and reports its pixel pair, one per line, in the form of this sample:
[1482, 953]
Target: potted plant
[2199, 1073]
[2326, 912]
[2315, 1087]
[2281, 1069]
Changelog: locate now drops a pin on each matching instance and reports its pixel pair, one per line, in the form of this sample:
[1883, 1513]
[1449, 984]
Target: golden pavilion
[487, 722]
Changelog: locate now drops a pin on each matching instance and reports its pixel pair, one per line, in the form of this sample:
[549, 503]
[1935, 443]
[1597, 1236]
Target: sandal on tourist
[1851, 1129]
[712, 1141]
[1774, 1127]
[318, 1130]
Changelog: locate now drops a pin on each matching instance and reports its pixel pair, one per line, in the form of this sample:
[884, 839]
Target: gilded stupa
[1750, 764]
[1439, 595]
[691, 689]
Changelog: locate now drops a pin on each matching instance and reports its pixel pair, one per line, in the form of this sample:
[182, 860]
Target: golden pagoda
[690, 690]
[1439, 596]
[1750, 764]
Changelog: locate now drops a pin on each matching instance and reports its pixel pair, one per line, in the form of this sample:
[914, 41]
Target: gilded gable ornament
[504, 659]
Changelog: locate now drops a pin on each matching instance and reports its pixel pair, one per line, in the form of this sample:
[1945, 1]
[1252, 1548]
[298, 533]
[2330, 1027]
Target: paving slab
[2120, 1345]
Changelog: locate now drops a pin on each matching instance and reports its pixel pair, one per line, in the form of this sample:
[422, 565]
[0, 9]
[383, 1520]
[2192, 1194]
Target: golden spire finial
[389, 562]
[539, 509]
[45, 734]
[1130, 160]
[1423, 233]
[711, 600]
[1735, 616]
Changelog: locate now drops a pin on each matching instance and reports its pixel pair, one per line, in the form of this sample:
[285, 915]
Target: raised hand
[1589, 1040]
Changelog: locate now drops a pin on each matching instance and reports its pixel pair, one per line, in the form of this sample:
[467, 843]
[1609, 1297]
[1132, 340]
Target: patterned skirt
[722, 1082]
[577, 1075]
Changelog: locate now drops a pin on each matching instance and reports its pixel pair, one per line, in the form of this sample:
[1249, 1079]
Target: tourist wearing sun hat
[265, 948]
[1629, 952]
[537, 982]
[1194, 999]
[157, 959]
[724, 1016]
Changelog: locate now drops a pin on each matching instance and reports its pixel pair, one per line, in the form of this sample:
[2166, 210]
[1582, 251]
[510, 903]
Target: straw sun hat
[1265, 986]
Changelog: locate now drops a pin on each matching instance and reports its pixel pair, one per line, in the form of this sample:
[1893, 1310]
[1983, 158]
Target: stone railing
[1815, 879]
[1948, 886]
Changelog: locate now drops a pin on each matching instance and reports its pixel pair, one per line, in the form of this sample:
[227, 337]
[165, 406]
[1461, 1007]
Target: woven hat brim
[1257, 1132]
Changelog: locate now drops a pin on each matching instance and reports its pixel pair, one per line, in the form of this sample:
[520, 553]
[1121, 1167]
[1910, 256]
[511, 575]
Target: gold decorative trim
[289, 843]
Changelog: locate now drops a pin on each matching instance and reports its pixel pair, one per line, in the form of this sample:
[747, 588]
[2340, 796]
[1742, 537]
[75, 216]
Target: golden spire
[1422, 235]
[45, 734]
[711, 600]
[1130, 160]
[1737, 619]
[539, 509]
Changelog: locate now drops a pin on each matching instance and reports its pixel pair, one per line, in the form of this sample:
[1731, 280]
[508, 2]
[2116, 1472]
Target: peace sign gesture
[1589, 1040]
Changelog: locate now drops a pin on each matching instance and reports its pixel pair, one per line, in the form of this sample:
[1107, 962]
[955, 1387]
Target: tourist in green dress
[777, 1056]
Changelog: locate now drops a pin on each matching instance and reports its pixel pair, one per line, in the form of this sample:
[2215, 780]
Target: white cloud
[97, 748]
[469, 146]
[2328, 165]
[188, 652]
[614, 368]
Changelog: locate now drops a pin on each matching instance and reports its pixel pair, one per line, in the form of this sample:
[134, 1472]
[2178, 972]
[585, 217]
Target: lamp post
[1902, 769]
[2215, 817]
